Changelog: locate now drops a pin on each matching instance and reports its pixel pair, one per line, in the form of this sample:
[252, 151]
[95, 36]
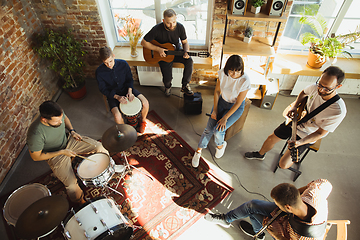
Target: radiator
[151, 76]
[349, 86]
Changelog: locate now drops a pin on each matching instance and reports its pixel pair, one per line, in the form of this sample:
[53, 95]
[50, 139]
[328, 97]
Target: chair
[315, 147]
[341, 228]
[239, 124]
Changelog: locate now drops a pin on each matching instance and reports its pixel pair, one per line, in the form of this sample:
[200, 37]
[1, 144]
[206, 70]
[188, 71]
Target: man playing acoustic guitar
[170, 31]
[317, 126]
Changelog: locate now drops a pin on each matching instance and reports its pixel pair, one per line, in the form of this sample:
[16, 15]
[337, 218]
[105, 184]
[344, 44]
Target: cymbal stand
[127, 168]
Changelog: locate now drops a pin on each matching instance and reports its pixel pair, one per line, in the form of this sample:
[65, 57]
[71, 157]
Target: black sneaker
[254, 156]
[187, 90]
[248, 230]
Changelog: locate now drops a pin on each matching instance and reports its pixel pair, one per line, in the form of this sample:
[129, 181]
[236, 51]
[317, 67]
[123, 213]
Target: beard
[168, 29]
[324, 94]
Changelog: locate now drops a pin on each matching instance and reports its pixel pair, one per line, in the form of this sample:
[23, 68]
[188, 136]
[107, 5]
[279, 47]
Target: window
[193, 14]
[341, 16]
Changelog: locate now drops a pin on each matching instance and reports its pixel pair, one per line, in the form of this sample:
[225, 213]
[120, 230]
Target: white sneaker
[217, 219]
[196, 159]
[220, 152]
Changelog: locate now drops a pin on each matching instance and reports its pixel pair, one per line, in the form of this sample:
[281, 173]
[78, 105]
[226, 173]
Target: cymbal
[41, 217]
[119, 138]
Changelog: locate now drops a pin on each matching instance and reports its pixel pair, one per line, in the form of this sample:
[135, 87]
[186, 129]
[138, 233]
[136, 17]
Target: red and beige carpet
[176, 196]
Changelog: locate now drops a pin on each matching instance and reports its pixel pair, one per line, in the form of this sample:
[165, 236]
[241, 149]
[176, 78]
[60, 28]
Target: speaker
[238, 7]
[193, 104]
[276, 7]
[268, 101]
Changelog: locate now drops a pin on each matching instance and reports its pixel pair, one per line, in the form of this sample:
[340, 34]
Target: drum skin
[22, 198]
[91, 215]
[97, 173]
[131, 111]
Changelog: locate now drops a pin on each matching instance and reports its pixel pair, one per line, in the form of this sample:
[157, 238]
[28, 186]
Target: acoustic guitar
[299, 114]
[153, 57]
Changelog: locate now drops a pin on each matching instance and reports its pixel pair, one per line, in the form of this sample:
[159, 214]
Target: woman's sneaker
[196, 159]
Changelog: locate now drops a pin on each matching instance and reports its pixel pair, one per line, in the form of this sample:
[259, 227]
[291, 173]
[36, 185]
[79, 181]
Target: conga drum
[131, 111]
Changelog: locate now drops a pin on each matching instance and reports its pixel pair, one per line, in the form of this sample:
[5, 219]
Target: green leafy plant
[65, 54]
[257, 3]
[248, 32]
[323, 45]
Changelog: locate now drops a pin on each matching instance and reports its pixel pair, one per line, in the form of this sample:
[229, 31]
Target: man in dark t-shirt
[170, 31]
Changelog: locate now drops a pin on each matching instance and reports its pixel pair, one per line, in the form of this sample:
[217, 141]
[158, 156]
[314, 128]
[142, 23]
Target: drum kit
[35, 213]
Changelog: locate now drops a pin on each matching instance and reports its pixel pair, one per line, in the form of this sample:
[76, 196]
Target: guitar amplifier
[193, 104]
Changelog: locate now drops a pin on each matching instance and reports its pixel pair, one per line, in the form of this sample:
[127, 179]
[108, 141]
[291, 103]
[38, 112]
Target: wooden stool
[239, 124]
[315, 147]
[341, 228]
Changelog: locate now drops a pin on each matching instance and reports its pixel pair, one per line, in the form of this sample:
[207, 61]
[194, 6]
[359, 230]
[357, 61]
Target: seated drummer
[47, 141]
[116, 83]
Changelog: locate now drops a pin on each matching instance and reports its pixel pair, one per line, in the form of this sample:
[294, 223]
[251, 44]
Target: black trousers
[166, 70]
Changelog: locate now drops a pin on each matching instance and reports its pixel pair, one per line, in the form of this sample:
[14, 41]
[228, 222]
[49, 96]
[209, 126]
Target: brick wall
[24, 80]
[80, 15]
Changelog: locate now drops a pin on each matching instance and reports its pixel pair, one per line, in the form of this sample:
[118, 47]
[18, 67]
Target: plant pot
[77, 93]
[247, 39]
[255, 10]
[315, 61]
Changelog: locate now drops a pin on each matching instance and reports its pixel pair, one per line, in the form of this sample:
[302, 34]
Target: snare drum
[97, 173]
[131, 111]
[97, 219]
[21, 199]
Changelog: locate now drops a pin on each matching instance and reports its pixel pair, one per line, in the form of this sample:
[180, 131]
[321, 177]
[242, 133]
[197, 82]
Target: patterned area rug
[163, 194]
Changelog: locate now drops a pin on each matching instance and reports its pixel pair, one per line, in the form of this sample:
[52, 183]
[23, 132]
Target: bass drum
[97, 219]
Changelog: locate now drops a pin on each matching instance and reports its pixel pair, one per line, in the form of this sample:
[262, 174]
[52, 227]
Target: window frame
[110, 28]
[332, 29]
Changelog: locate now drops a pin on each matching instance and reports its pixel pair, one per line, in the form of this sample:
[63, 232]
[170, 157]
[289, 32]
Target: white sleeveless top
[232, 87]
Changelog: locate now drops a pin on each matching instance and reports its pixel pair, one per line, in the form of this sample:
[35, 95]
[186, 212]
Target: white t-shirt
[232, 87]
[328, 119]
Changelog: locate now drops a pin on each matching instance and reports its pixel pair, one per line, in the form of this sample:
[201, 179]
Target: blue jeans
[255, 209]
[223, 108]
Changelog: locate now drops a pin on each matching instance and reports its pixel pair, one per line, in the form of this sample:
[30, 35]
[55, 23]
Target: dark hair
[169, 13]
[286, 194]
[337, 72]
[49, 109]
[105, 53]
[234, 63]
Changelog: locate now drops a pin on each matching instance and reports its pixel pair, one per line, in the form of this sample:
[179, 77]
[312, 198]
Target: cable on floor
[229, 172]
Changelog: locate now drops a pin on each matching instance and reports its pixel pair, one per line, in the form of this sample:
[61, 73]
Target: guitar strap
[320, 108]
[310, 231]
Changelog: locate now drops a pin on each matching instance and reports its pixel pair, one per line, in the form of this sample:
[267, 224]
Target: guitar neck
[293, 128]
[180, 53]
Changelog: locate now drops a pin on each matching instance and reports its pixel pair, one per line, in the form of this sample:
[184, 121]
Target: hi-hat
[41, 217]
[119, 138]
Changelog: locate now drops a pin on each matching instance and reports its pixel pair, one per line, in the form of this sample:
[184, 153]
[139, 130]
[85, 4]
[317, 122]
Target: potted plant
[66, 58]
[248, 33]
[256, 5]
[322, 46]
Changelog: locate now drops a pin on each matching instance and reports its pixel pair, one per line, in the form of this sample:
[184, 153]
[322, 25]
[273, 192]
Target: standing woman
[229, 102]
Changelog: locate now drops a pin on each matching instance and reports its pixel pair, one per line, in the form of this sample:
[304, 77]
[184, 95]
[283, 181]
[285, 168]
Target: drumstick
[85, 158]
[88, 142]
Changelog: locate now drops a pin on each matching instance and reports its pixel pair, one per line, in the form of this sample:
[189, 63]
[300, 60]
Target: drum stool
[315, 147]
